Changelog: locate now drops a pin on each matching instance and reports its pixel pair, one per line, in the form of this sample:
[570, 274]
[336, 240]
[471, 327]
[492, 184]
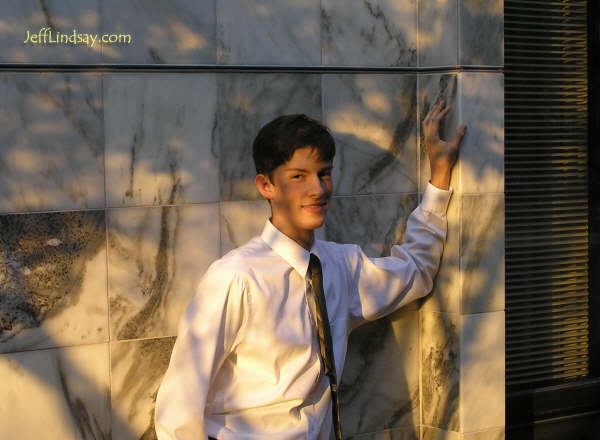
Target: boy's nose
[318, 187]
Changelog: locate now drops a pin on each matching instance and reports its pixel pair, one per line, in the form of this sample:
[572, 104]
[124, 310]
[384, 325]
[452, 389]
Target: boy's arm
[382, 285]
[208, 331]
[385, 284]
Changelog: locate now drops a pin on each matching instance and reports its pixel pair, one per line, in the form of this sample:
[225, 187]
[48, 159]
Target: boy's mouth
[315, 208]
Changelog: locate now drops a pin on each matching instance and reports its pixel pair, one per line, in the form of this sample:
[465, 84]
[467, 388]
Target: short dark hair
[276, 142]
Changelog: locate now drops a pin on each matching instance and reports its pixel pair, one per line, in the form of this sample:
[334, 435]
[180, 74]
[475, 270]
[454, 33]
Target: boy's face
[299, 193]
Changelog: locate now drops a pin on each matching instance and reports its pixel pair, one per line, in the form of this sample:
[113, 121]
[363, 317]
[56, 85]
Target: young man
[247, 362]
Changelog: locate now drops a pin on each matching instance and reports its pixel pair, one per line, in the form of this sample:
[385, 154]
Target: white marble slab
[430, 433]
[174, 32]
[156, 257]
[248, 101]
[373, 120]
[388, 434]
[482, 253]
[137, 369]
[369, 33]
[482, 363]
[159, 139]
[268, 32]
[446, 292]
[373, 222]
[440, 375]
[380, 384]
[488, 434]
[55, 394]
[53, 280]
[241, 221]
[481, 157]
[438, 33]
[19, 20]
[52, 142]
[432, 89]
[481, 32]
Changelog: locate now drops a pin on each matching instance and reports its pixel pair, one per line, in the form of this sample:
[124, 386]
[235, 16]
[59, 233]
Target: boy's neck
[304, 238]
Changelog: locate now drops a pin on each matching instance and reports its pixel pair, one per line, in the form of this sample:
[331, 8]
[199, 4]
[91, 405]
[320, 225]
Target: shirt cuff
[436, 200]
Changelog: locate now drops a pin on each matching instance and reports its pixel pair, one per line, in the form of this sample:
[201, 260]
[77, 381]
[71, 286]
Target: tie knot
[314, 264]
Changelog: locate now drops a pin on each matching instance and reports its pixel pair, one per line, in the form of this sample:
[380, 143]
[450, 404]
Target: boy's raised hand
[442, 154]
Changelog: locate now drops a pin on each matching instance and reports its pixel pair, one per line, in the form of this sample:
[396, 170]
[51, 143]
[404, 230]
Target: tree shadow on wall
[50, 274]
[370, 403]
[48, 264]
[53, 299]
[371, 341]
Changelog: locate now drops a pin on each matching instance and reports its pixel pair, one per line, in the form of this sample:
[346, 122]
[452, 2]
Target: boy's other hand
[442, 154]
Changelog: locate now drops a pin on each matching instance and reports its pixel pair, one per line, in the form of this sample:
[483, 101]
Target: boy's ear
[264, 186]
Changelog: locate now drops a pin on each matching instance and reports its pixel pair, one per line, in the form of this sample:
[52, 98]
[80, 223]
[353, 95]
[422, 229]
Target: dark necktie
[325, 342]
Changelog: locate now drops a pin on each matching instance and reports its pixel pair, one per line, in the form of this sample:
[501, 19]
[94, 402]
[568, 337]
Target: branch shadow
[368, 343]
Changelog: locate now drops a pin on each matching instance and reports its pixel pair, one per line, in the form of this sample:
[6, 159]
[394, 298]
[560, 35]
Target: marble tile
[246, 102]
[446, 292]
[53, 280]
[482, 253]
[159, 139]
[369, 33]
[241, 221]
[268, 32]
[387, 348]
[177, 32]
[490, 434]
[482, 385]
[373, 121]
[52, 142]
[429, 433]
[432, 89]
[438, 33]
[55, 394]
[388, 434]
[156, 257]
[481, 32]
[137, 369]
[373, 222]
[19, 20]
[481, 157]
[440, 362]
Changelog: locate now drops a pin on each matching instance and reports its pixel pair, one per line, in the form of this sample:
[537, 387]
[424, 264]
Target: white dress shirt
[246, 361]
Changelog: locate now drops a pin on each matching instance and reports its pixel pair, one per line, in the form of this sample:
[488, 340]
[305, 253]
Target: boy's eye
[296, 176]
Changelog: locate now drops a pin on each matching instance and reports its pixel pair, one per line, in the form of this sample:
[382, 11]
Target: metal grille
[546, 95]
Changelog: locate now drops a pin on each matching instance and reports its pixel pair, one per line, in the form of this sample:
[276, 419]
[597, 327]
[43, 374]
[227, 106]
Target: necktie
[325, 342]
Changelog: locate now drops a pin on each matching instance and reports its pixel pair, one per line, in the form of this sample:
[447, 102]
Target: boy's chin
[314, 223]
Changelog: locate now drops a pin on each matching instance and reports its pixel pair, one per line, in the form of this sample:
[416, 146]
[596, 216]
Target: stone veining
[43, 264]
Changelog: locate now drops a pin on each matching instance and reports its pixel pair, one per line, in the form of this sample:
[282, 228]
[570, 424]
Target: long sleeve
[208, 331]
[382, 285]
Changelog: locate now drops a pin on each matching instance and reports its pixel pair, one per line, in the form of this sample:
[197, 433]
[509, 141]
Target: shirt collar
[288, 249]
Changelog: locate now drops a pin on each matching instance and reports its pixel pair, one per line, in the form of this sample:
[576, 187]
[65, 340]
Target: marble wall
[118, 189]
[462, 320]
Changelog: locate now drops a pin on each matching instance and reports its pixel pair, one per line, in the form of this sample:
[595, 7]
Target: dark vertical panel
[546, 117]
[594, 155]
[553, 181]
